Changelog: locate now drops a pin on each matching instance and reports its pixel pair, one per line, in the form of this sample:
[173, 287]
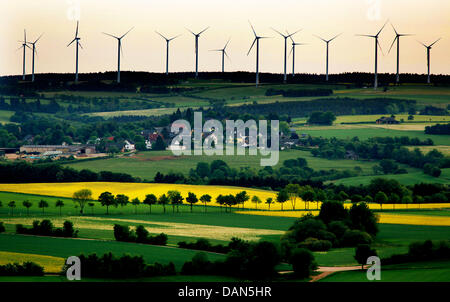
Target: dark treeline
[140, 235]
[130, 80]
[299, 92]
[438, 129]
[46, 228]
[338, 106]
[23, 172]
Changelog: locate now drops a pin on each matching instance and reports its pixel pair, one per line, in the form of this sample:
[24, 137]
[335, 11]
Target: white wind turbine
[119, 50]
[167, 50]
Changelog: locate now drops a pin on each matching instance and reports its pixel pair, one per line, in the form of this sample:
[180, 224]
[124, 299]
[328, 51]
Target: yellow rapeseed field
[139, 190]
[388, 218]
[49, 263]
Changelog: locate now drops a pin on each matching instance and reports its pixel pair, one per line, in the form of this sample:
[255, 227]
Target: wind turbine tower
[377, 44]
[285, 50]
[224, 53]
[397, 38]
[429, 57]
[167, 50]
[77, 44]
[328, 44]
[293, 54]
[34, 52]
[119, 50]
[24, 46]
[197, 35]
[256, 40]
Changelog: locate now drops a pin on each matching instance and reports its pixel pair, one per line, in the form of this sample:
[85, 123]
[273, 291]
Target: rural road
[328, 270]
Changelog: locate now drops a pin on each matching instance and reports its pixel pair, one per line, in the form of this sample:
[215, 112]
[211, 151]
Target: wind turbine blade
[334, 37]
[226, 54]
[278, 32]
[226, 44]
[25, 36]
[121, 49]
[39, 38]
[110, 35]
[379, 45]
[216, 50]
[203, 31]
[80, 45]
[254, 32]
[366, 36]
[292, 49]
[251, 47]
[76, 32]
[434, 42]
[26, 45]
[396, 33]
[320, 38]
[161, 35]
[174, 37]
[382, 28]
[127, 32]
[422, 44]
[395, 39]
[190, 31]
[71, 42]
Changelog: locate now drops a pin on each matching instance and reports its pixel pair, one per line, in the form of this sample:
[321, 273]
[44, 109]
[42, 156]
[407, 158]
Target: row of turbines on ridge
[256, 41]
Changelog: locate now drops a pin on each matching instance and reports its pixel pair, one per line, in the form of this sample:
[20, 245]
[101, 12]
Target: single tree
[106, 199]
[136, 202]
[42, 205]
[175, 199]
[380, 198]
[407, 200]
[362, 252]
[282, 197]
[293, 191]
[307, 197]
[12, 205]
[163, 199]
[81, 197]
[256, 200]
[205, 199]
[269, 201]
[221, 201]
[242, 197]
[27, 204]
[59, 204]
[122, 200]
[149, 200]
[191, 199]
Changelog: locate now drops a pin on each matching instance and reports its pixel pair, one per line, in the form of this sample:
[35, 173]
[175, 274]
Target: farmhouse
[58, 149]
[387, 120]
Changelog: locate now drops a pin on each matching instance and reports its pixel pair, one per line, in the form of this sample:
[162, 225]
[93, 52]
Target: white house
[129, 146]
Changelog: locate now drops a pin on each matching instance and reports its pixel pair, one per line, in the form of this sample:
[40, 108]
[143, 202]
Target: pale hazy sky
[144, 50]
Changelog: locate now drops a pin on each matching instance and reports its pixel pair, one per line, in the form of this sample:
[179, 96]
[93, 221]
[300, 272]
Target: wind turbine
[285, 49]
[397, 38]
[167, 50]
[428, 57]
[196, 35]
[256, 40]
[77, 43]
[34, 52]
[328, 43]
[24, 46]
[119, 50]
[377, 44]
[293, 54]
[224, 53]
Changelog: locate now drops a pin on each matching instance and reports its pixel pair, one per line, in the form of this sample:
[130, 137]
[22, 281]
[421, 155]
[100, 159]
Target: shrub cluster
[204, 245]
[109, 266]
[25, 269]
[140, 235]
[422, 251]
[46, 228]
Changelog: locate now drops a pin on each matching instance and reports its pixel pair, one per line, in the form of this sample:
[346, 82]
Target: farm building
[63, 149]
[387, 120]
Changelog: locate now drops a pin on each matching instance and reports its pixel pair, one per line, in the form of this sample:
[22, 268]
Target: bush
[25, 269]
[141, 235]
[46, 228]
[338, 228]
[362, 252]
[303, 262]
[204, 245]
[315, 245]
[355, 237]
[108, 266]
[422, 251]
[2, 227]
[332, 210]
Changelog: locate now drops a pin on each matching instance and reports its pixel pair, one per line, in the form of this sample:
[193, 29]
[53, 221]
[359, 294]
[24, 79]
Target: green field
[411, 272]
[147, 164]
[5, 115]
